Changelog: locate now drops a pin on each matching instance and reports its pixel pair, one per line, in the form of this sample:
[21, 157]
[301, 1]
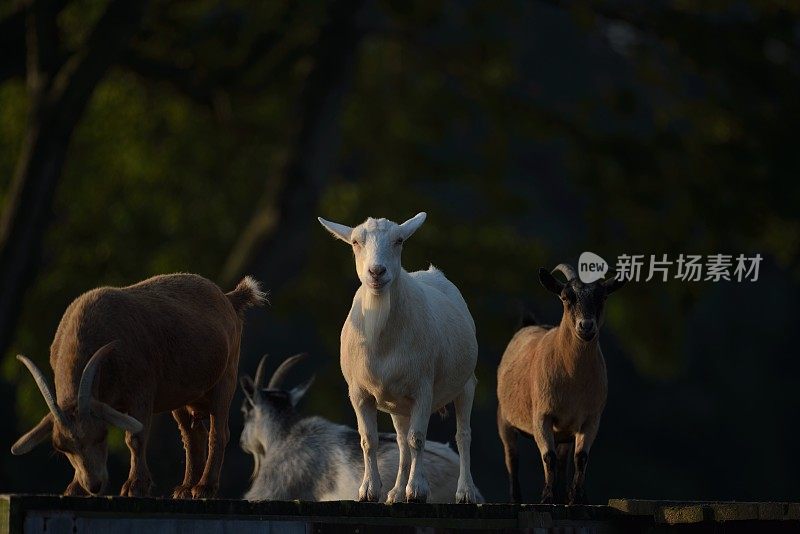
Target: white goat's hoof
[467, 494]
[396, 494]
[369, 491]
[417, 490]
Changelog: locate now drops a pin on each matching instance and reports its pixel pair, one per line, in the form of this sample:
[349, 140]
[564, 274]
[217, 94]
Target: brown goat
[169, 343]
[552, 385]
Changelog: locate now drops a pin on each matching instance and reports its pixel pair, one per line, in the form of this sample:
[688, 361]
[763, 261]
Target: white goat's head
[377, 246]
[269, 409]
[78, 431]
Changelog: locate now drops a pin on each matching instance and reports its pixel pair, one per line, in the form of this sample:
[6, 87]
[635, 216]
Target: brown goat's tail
[247, 294]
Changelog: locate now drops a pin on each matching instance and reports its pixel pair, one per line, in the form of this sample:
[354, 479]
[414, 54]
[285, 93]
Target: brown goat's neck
[571, 349]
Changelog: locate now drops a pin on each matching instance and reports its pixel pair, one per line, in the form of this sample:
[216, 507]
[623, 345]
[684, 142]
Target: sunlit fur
[174, 346]
[375, 309]
[314, 459]
[422, 358]
[552, 385]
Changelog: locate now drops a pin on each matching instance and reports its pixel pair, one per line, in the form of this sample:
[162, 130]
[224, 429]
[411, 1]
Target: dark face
[87, 452]
[263, 410]
[584, 304]
[260, 417]
[278, 402]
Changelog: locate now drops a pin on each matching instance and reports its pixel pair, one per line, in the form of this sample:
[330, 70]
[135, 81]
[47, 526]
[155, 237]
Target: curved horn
[258, 381]
[47, 393]
[87, 378]
[566, 270]
[283, 370]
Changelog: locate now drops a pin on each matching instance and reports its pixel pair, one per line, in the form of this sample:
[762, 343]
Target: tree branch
[290, 197]
[12, 42]
[187, 81]
[203, 88]
[56, 110]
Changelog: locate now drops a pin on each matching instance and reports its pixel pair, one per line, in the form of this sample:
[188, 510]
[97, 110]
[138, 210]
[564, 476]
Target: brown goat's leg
[218, 436]
[543, 435]
[195, 442]
[583, 442]
[564, 454]
[74, 489]
[398, 492]
[510, 437]
[139, 481]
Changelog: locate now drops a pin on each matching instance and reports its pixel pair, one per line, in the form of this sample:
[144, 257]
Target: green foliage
[528, 132]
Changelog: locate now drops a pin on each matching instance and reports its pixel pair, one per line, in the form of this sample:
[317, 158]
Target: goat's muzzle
[586, 329]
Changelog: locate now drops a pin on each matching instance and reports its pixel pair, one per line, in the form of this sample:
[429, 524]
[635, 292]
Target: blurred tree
[291, 196]
[530, 131]
[60, 83]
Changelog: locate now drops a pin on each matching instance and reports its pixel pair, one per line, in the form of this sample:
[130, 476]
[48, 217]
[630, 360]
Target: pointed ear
[34, 436]
[248, 388]
[410, 226]
[612, 284]
[115, 418]
[549, 282]
[338, 230]
[299, 392]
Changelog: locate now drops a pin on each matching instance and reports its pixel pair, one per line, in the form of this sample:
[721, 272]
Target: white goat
[408, 348]
[311, 458]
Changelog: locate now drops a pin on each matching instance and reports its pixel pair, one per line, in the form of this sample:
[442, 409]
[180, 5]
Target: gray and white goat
[311, 458]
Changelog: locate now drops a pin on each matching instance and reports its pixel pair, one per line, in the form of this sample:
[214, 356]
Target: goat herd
[408, 347]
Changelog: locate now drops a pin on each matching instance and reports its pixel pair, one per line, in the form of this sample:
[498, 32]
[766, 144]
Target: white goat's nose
[376, 271]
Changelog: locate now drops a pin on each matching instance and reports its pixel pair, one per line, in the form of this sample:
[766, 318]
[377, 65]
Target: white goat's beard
[375, 309]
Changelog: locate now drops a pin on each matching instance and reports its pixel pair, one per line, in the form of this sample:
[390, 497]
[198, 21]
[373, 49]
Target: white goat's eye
[355, 242]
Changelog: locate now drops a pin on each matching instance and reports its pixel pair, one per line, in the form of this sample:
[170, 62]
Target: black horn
[280, 374]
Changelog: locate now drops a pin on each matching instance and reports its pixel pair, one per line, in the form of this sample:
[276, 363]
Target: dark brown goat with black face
[552, 385]
[169, 343]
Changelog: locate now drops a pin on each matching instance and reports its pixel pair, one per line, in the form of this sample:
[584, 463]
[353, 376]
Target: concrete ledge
[678, 512]
[53, 514]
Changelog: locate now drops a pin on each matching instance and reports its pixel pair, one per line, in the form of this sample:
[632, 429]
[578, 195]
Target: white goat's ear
[411, 225]
[338, 230]
[34, 436]
[116, 418]
[299, 392]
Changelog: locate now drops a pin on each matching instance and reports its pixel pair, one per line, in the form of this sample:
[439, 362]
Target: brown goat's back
[175, 334]
[514, 386]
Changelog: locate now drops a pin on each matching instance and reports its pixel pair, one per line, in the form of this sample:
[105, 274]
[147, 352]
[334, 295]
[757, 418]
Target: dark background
[139, 138]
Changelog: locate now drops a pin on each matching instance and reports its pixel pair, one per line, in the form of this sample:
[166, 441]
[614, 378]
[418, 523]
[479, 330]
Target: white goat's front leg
[466, 492]
[367, 417]
[398, 492]
[417, 489]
